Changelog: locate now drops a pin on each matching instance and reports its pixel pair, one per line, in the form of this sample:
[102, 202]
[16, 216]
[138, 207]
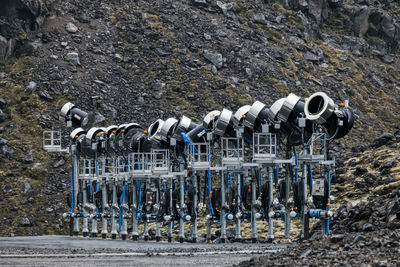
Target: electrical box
[265, 128]
[172, 142]
[318, 187]
[209, 136]
[302, 122]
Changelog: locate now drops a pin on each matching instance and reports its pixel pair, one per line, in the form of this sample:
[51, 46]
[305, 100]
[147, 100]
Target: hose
[261, 178]
[297, 163]
[139, 194]
[230, 179]
[72, 188]
[209, 191]
[120, 208]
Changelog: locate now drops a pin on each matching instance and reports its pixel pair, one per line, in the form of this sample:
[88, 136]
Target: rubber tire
[124, 237]
[135, 237]
[94, 235]
[194, 240]
[223, 240]
[146, 238]
[114, 236]
[254, 240]
[169, 239]
[158, 238]
[104, 236]
[181, 239]
[85, 234]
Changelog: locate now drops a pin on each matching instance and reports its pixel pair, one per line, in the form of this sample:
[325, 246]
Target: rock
[360, 170]
[225, 7]
[45, 95]
[337, 238]
[214, 58]
[27, 187]
[118, 57]
[318, 10]
[49, 209]
[59, 163]
[388, 165]
[259, 18]
[383, 139]
[3, 141]
[394, 207]
[3, 103]
[73, 57]
[312, 57]
[358, 238]
[6, 48]
[54, 57]
[25, 222]
[367, 227]
[202, 3]
[7, 151]
[306, 253]
[3, 116]
[369, 178]
[387, 59]
[71, 28]
[360, 21]
[158, 86]
[27, 159]
[99, 118]
[64, 44]
[109, 111]
[7, 189]
[31, 87]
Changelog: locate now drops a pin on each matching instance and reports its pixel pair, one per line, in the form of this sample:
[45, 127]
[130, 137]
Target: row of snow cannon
[257, 164]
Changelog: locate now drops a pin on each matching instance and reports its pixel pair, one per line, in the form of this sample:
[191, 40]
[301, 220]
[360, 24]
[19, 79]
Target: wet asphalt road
[79, 251]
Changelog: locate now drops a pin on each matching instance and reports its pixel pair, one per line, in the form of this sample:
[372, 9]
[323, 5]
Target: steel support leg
[124, 225]
[238, 236]
[135, 234]
[85, 221]
[181, 203]
[76, 191]
[105, 210]
[222, 213]
[287, 208]
[194, 219]
[304, 212]
[270, 201]
[114, 212]
[253, 210]
[158, 230]
[170, 223]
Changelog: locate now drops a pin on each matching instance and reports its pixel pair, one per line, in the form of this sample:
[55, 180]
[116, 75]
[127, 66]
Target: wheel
[181, 239]
[194, 240]
[76, 233]
[238, 240]
[223, 240]
[104, 236]
[123, 237]
[135, 237]
[85, 234]
[93, 235]
[158, 238]
[146, 238]
[254, 240]
[169, 239]
[114, 236]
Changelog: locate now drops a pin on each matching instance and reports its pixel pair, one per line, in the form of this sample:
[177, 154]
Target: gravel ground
[78, 251]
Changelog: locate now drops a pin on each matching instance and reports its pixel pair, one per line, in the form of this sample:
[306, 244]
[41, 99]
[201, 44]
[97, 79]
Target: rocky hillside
[142, 60]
